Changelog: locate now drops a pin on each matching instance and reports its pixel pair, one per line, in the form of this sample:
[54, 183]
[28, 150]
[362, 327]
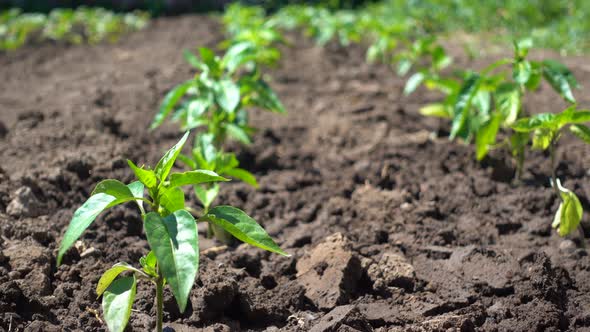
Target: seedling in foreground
[171, 233]
[547, 129]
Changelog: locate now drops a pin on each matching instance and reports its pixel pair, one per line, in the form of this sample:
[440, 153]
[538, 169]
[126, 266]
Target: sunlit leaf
[560, 78]
[194, 177]
[110, 275]
[117, 301]
[174, 241]
[244, 228]
[165, 164]
[569, 213]
[146, 176]
[170, 100]
[581, 131]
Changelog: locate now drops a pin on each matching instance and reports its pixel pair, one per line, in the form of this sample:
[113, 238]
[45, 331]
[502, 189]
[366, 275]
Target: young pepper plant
[248, 25]
[481, 104]
[171, 233]
[219, 95]
[547, 129]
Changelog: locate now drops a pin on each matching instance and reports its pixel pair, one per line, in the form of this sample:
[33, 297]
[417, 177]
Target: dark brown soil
[391, 226]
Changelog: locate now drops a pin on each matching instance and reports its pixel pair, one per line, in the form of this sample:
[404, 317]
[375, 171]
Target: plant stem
[552, 148]
[159, 301]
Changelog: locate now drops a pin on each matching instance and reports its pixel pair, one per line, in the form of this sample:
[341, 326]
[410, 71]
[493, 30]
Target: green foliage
[171, 233]
[561, 25]
[117, 302]
[569, 214]
[206, 156]
[84, 24]
[249, 27]
[482, 105]
[547, 128]
[218, 97]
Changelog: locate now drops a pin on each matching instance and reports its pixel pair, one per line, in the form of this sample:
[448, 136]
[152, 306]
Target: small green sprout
[171, 233]
[546, 130]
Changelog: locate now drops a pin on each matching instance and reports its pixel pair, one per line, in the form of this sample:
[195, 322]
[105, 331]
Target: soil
[391, 226]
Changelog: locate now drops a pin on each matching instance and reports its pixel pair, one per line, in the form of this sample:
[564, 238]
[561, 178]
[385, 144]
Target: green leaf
[148, 264]
[543, 120]
[403, 66]
[266, 98]
[569, 213]
[170, 100]
[535, 79]
[482, 102]
[579, 117]
[581, 131]
[560, 78]
[413, 82]
[172, 199]
[204, 149]
[117, 302]
[208, 57]
[225, 162]
[440, 59]
[206, 195]
[174, 241]
[522, 47]
[542, 138]
[227, 95]
[83, 217]
[137, 189]
[111, 274]
[187, 161]
[194, 177]
[113, 188]
[242, 175]
[145, 176]
[486, 136]
[239, 224]
[462, 107]
[237, 55]
[508, 102]
[193, 60]
[165, 164]
[522, 72]
[436, 110]
[194, 112]
[238, 133]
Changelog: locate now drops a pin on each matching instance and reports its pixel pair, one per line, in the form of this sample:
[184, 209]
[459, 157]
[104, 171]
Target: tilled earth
[391, 227]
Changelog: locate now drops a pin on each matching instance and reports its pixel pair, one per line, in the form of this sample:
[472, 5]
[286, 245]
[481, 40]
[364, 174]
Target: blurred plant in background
[84, 24]
[558, 24]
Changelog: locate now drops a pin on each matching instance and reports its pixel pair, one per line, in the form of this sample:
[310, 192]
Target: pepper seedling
[219, 95]
[206, 156]
[479, 105]
[424, 48]
[547, 129]
[171, 233]
[248, 25]
[72, 26]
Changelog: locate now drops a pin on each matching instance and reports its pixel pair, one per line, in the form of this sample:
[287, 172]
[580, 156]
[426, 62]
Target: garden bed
[391, 226]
